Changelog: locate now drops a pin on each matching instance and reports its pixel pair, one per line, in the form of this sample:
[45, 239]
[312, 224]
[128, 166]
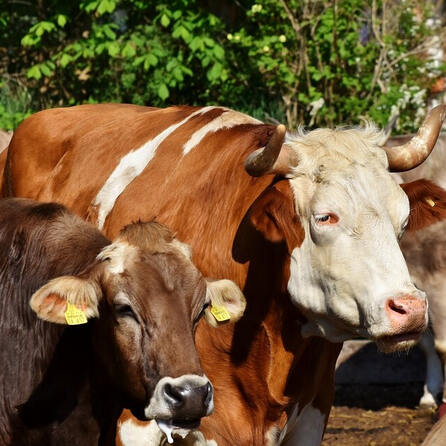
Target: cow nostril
[174, 395]
[395, 307]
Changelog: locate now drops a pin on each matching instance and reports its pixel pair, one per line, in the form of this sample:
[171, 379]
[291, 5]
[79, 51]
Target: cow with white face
[306, 224]
[339, 274]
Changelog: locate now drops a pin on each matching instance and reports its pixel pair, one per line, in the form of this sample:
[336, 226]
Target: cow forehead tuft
[117, 254]
[337, 149]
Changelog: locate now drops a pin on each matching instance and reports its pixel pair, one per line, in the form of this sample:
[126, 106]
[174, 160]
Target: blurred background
[311, 62]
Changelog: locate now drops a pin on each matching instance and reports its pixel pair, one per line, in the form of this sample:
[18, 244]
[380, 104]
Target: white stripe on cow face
[226, 120]
[130, 166]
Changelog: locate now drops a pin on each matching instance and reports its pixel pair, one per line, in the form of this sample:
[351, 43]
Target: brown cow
[67, 385]
[306, 223]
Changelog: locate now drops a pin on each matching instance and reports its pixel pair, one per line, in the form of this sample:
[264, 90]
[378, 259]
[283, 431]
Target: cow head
[341, 214]
[147, 297]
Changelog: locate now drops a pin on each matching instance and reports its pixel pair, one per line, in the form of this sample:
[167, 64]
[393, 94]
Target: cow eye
[200, 315]
[326, 219]
[123, 310]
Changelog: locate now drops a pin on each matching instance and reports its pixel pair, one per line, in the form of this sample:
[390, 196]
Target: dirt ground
[376, 401]
[378, 416]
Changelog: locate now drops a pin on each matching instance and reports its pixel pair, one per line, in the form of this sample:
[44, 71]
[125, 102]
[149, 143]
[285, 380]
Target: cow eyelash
[326, 219]
[124, 310]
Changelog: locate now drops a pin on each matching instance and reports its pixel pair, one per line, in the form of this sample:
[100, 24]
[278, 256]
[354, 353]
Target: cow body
[425, 253]
[277, 237]
[68, 385]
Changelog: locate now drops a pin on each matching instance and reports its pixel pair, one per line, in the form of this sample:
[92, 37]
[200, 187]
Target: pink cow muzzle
[408, 318]
[407, 313]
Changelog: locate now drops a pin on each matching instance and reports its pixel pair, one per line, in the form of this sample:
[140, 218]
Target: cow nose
[187, 400]
[407, 313]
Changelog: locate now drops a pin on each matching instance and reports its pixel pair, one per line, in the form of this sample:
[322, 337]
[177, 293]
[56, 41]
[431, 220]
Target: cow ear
[273, 215]
[427, 204]
[67, 300]
[227, 302]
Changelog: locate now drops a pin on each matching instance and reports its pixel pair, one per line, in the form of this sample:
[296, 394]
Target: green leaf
[153, 60]
[113, 49]
[109, 32]
[163, 91]
[215, 72]
[178, 74]
[45, 69]
[106, 6]
[29, 40]
[219, 52]
[65, 60]
[165, 20]
[196, 44]
[128, 50]
[34, 72]
[61, 20]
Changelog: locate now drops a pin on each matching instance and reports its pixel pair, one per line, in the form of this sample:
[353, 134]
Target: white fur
[342, 275]
[130, 166]
[304, 428]
[117, 254]
[226, 120]
[132, 434]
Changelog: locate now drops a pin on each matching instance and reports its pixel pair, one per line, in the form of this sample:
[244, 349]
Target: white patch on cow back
[226, 120]
[304, 428]
[132, 434]
[130, 166]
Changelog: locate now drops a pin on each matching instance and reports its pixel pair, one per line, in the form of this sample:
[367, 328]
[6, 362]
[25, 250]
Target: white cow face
[347, 273]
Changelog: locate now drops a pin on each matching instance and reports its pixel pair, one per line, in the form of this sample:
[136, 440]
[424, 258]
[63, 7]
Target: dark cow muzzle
[178, 404]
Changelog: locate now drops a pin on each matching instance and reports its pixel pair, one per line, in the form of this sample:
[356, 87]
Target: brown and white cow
[424, 247]
[307, 224]
[67, 385]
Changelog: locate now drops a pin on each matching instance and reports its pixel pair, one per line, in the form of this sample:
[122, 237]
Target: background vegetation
[311, 62]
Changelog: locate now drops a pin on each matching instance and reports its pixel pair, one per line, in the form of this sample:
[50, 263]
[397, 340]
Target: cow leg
[304, 429]
[433, 384]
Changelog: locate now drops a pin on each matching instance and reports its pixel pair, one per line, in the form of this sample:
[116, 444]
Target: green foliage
[323, 62]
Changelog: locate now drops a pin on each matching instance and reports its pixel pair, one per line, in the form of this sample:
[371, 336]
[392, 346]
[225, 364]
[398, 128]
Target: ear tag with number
[74, 316]
[220, 313]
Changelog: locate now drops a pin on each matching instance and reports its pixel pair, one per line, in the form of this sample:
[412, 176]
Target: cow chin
[398, 343]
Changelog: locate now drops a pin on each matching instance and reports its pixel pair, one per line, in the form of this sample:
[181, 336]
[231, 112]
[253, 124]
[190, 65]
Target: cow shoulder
[427, 204]
[273, 214]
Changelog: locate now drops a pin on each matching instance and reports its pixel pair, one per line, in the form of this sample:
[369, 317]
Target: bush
[318, 63]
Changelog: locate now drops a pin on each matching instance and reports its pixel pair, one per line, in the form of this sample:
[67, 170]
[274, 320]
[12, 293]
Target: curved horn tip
[281, 128]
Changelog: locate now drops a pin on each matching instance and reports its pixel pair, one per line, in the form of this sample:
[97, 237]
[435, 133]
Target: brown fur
[422, 213]
[67, 385]
[260, 367]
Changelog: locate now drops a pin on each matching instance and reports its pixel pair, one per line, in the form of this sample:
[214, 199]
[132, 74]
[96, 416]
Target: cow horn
[411, 154]
[267, 160]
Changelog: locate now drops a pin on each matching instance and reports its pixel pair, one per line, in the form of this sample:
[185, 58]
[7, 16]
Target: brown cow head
[147, 297]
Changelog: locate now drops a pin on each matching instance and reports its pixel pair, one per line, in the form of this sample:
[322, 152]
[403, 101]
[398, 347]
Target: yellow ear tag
[430, 202]
[74, 316]
[220, 313]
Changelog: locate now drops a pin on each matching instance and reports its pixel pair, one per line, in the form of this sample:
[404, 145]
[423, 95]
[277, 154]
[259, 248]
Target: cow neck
[71, 393]
[270, 329]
